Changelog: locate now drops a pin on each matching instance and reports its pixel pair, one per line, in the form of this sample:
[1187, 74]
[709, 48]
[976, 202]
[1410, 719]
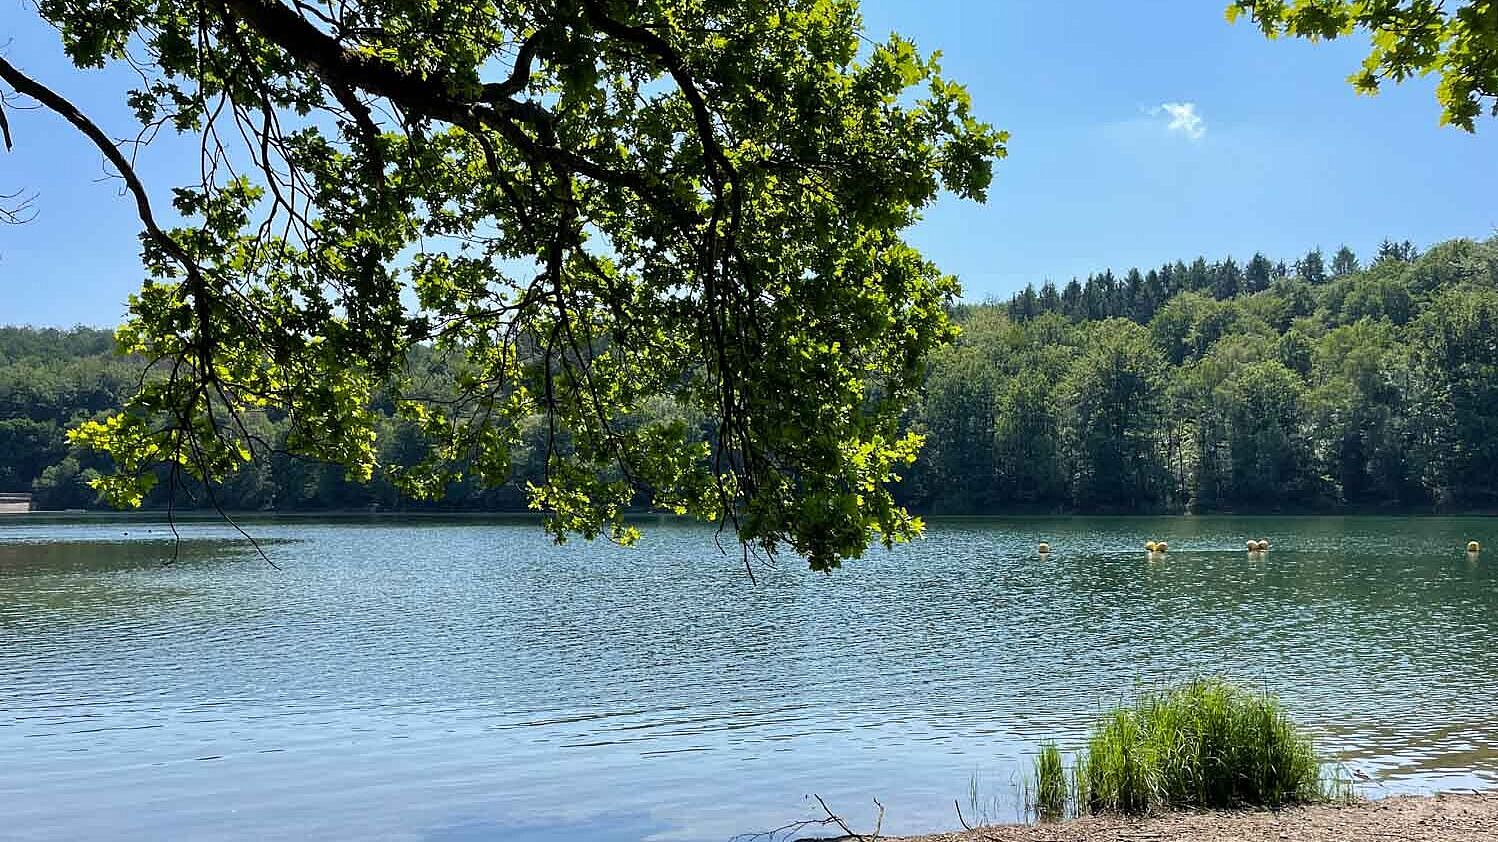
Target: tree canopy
[1458, 42]
[667, 234]
[1177, 388]
[1142, 391]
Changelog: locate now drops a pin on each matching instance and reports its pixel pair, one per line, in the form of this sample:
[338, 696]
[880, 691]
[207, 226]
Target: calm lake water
[468, 681]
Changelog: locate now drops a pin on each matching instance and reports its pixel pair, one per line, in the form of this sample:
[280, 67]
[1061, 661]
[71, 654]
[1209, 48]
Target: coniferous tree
[1050, 300]
[1199, 277]
[1133, 296]
[1344, 263]
[1094, 300]
[1025, 306]
[1402, 252]
[1257, 274]
[1154, 295]
[1311, 268]
[1175, 277]
[1071, 300]
[1227, 280]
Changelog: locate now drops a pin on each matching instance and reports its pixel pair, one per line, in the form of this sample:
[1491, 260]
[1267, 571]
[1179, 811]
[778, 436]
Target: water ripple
[391, 680]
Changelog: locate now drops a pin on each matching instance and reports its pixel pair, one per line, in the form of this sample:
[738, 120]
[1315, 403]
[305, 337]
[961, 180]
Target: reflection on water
[470, 681]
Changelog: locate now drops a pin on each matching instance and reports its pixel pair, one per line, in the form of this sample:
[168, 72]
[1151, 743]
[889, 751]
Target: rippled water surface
[468, 681]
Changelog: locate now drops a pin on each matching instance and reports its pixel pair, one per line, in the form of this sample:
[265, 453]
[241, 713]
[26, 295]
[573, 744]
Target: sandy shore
[1447, 818]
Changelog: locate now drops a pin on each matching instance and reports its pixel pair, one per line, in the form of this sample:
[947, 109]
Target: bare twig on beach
[960, 819]
[835, 819]
[785, 833]
[967, 827]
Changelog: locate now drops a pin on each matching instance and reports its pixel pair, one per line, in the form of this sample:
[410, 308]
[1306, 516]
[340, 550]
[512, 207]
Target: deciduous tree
[584, 207]
[1456, 41]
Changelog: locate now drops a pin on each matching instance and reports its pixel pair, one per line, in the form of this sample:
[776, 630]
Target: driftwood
[787, 833]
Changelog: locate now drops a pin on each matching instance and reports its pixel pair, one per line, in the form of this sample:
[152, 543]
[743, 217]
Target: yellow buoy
[1161, 547]
[1044, 548]
[1149, 546]
[1473, 547]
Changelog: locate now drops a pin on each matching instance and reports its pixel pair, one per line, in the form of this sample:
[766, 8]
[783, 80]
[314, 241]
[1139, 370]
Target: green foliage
[1112, 396]
[1365, 388]
[1202, 745]
[1458, 42]
[27, 447]
[959, 397]
[581, 211]
[1455, 345]
[1345, 263]
[1051, 788]
[65, 485]
[1276, 400]
[1262, 402]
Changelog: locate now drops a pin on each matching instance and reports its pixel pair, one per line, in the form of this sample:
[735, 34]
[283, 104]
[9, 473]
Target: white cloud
[1183, 118]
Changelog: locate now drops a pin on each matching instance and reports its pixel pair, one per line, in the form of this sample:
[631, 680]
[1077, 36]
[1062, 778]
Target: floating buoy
[1473, 547]
[1149, 546]
[1044, 548]
[1161, 547]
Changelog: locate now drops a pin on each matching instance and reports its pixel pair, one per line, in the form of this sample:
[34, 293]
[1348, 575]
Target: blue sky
[1141, 133]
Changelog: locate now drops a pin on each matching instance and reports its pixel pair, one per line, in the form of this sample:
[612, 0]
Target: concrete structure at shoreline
[14, 504]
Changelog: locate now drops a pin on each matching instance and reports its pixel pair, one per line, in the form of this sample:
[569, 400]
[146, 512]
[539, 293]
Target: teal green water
[464, 681]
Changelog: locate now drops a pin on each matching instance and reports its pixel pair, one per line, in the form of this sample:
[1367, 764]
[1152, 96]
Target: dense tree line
[1316, 384]
[52, 380]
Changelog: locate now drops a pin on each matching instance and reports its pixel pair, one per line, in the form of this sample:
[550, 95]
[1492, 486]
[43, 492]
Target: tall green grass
[1202, 745]
[1051, 793]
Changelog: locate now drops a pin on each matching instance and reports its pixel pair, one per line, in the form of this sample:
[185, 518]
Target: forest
[1321, 384]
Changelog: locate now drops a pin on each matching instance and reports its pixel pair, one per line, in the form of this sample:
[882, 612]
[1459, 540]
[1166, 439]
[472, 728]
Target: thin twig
[836, 819]
[960, 819]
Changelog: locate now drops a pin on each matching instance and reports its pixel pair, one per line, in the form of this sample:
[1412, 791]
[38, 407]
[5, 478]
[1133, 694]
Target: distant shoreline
[646, 516]
[338, 514]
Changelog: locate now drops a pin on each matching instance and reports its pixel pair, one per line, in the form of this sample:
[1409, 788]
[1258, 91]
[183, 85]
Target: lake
[468, 680]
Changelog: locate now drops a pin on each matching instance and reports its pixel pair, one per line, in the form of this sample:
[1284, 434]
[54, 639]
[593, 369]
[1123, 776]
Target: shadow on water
[32, 558]
[63, 575]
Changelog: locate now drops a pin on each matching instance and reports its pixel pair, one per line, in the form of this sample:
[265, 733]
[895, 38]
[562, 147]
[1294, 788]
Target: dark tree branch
[671, 59]
[5, 127]
[16, 208]
[197, 284]
[434, 98]
[520, 74]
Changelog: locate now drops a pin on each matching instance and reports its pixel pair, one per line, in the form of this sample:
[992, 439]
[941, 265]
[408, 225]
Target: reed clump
[1051, 795]
[1202, 745]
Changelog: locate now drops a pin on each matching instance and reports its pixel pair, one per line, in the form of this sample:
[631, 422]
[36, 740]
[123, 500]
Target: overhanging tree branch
[725, 318]
[197, 283]
[436, 98]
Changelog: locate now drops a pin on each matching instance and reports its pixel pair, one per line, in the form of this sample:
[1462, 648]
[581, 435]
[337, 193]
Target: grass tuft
[1050, 784]
[1203, 745]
